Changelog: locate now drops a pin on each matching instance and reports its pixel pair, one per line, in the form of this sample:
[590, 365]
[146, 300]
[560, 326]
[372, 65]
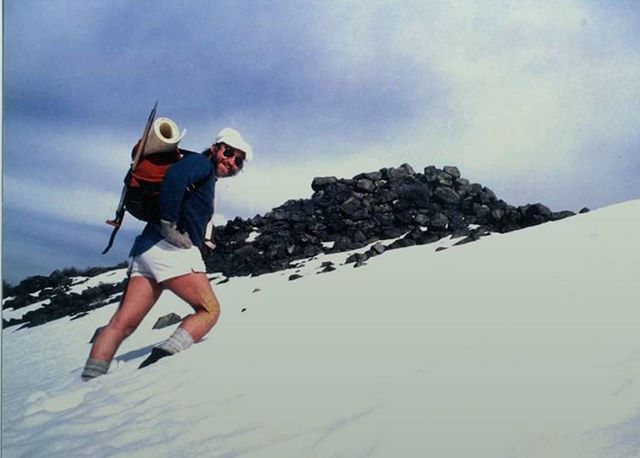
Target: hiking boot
[156, 354]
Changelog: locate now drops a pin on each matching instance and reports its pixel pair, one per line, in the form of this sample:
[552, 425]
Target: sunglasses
[230, 152]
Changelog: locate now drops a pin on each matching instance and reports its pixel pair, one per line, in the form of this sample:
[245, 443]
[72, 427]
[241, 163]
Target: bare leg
[141, 294]
[195, 289]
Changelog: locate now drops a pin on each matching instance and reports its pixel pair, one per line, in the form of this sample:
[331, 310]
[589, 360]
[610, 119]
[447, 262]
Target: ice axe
[117, 221]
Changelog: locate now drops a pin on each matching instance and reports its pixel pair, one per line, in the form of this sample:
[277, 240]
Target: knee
[123, 328]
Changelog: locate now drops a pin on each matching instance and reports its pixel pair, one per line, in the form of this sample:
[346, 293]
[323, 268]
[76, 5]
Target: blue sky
[537, 100]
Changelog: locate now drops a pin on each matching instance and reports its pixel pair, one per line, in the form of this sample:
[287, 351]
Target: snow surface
[79, 284]
[519, 345]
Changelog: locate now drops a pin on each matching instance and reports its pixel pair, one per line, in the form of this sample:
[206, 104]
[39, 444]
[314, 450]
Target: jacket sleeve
[184, 173]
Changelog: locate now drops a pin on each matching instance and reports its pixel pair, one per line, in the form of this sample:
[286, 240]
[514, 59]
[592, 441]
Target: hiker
[166, 255]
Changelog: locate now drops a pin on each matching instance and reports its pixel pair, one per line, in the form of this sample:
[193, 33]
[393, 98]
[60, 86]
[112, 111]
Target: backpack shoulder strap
[201, 181]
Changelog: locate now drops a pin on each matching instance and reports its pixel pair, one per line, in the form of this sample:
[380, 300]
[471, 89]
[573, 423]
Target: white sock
[179, 341]
[94, 368]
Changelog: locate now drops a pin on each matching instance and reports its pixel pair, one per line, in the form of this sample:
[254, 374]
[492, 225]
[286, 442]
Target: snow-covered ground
[519, 345]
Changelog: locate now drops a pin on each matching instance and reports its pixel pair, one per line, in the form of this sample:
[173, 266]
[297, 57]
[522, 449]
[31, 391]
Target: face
[228, 161]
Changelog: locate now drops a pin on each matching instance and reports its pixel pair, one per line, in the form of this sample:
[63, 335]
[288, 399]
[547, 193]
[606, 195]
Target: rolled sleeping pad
[164, 136]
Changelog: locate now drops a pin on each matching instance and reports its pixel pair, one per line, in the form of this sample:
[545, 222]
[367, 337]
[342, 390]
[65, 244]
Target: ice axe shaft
[143, 140]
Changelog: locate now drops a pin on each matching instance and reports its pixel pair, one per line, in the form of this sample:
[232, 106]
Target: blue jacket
[186, 198]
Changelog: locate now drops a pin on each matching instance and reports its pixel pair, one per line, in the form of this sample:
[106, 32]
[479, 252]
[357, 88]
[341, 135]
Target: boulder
[167, 320]
[365, 185]
[446, 195]
[320, 183]
[452, 170]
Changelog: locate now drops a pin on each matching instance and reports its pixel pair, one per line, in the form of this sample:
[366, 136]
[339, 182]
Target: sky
[320, 367]
[536, 100]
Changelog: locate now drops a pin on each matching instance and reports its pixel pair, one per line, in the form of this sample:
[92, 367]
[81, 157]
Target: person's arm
[177, 180]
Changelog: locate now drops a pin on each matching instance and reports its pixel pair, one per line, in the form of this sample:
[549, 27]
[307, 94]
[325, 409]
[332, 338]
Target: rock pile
[347, 214]
[342, 215]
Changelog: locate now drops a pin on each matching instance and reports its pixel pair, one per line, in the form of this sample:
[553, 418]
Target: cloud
[528, 89]
[529, 102]
[38, 244]
[59, 154]
[537, 100]
[81, 205]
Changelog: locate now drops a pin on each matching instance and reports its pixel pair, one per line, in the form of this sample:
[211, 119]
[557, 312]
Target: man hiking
[166, 255]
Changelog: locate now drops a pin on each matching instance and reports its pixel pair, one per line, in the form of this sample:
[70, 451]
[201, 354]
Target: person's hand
[172, 235]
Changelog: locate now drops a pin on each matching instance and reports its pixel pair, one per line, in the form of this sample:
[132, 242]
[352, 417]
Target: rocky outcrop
[347, 214]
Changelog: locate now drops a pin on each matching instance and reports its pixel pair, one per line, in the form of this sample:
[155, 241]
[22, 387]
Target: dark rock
[377, 249]
[421, 237]
[561, 215]
[294, 277]
[431, 174]
[465, 240]
[497, 214]
[481, 211]
[439, 222]
[584, 210]
[392, 173]
[427, 237]
[354, 208]
[406, 217]
[474, 235]
[421, 219]
[538, 209]
[320, 183]
[458, 222]
[327, 269]
[385, 196]
[167, 320]
[343, 243]
[357, 257]
[384, 220]
[58, 278]
[359, 238]
[414, 234]
[446, 195]
[401, 243]
[373, 176]
[452, 170]
[535, 214]
[79, 315]
[415, 195]
[365, 185]
[487, 196]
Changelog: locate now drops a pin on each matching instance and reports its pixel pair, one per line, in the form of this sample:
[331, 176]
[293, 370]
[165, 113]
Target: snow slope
[519, 345]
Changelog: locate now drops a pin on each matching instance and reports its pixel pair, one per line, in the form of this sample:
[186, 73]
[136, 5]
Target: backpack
[143, 184]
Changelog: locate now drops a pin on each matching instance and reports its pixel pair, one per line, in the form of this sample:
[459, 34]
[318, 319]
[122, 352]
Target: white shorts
[164, 261]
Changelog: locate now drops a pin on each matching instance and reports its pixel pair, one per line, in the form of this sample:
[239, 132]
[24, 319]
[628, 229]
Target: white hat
[233, 138]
